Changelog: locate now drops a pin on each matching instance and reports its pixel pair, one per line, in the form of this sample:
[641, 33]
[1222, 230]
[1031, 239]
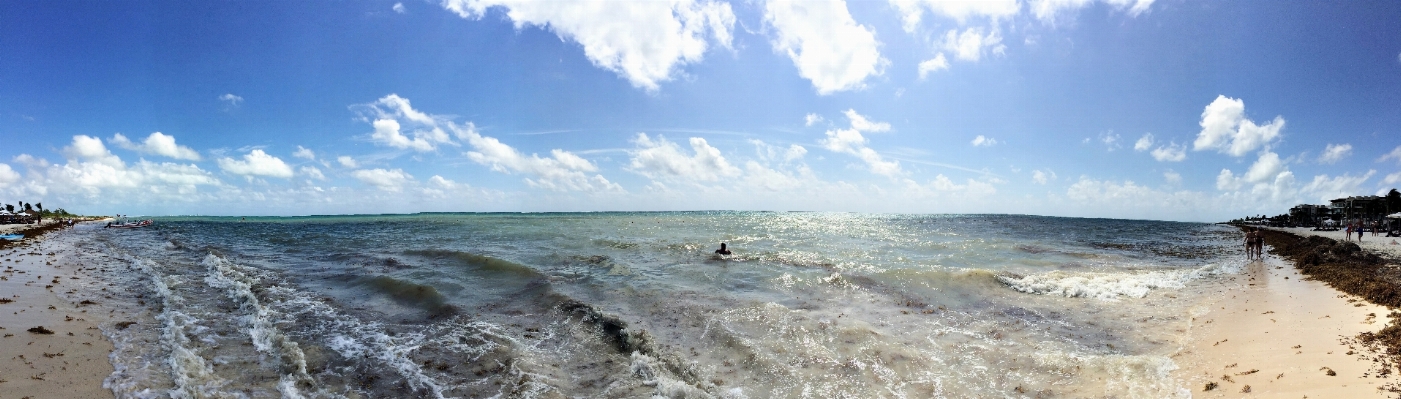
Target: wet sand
[68, 357]
[1284, 335]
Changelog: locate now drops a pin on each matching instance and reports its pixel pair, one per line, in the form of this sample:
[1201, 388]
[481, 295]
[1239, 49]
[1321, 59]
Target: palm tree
[28, 208]
[10, 208]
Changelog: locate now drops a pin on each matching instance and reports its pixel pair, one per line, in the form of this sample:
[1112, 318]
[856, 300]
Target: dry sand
[1280, 334]
[69, 363]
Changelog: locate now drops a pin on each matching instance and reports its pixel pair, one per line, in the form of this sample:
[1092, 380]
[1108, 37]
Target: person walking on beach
[1349, 231]
[1250, 244]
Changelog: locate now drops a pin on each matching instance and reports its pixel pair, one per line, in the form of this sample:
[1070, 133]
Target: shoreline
[68, 356]
[1293, 328]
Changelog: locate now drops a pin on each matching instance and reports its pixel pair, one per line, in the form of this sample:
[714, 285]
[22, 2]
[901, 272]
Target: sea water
[816, 305]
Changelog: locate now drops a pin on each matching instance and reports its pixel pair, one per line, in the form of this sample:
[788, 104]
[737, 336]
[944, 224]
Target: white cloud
[1042, 177]
[942, 185]
[1394, 154]
[1335, 152]
[859, 122]
[1049, 10]
[399, 8]
[773, 153]
[662, 159]
[812, 119]
[1143, 143]
[1323, 188]
[8, 176]
[311, 172]
[1393, 178]
[562, 171]
[825, 43]
[439, 181]
[1110, 140]
[970, 45]
[231, 100]
[912, 11]
[1226, 129]
[982, 141]
[347, 161]
[643, 41]
[938, 63]
[256, 163]
[31, 161]
[392, 114]
[387, 180]
[159, 144]
[1172, 177]
[852, 142]
[1169, 153]
[304, 153]
[91, 149]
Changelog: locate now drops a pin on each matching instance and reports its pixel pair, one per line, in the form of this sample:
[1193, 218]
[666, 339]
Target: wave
[1110, 286]
[422, 296]
[480, 262]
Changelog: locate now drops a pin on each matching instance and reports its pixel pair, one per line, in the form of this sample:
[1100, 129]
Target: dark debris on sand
[1346, 267]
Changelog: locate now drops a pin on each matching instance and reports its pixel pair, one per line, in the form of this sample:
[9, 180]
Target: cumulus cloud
[662, 159]
[304, 153]
[943, 186]
[938, 63]
[392, 114]
[1169, 153]
[972, 43]
[1393, 178]
[1049, 10]
[399, 8]
[983, 141]
[851, 141]
[812, 119]
[1334, 153]
[912, 11]
[441, 182]
[8, 175]
[347, 161]
[387, 180]
[644, 42]
[93, 172]
[159, 144]
[1226, 129]
[256, 163]
[1144, 143]
[91, 149]
[829, 48]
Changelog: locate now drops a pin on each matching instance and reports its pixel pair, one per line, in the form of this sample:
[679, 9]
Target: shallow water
[635, 305]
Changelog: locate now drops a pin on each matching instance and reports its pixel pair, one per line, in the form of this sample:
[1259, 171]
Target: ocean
[555, 305]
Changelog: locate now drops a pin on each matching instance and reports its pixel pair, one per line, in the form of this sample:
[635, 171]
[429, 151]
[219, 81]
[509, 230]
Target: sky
[1142, 109]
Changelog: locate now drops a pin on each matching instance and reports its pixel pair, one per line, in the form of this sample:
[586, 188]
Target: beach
[203, 308]
[67, 358]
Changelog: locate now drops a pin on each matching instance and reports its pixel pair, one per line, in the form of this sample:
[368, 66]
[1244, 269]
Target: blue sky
[1160, 109]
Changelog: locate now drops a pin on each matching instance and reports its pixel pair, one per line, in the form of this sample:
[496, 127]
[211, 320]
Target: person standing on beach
[1250, 244]
[1349, 231]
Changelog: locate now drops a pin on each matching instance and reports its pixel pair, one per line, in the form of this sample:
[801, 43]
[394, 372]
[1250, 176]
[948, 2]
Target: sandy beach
[1279, 334]
[67, 358]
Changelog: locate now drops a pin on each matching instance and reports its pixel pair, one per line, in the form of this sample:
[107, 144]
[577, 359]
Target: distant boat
[11, 237]
[130, 225]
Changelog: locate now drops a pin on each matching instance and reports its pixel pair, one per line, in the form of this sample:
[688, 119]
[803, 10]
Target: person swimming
[722, 250]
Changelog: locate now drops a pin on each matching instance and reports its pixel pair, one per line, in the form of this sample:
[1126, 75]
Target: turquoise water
[637, 305]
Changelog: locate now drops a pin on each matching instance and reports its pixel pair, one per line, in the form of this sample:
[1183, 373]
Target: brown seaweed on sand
[41, 330]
